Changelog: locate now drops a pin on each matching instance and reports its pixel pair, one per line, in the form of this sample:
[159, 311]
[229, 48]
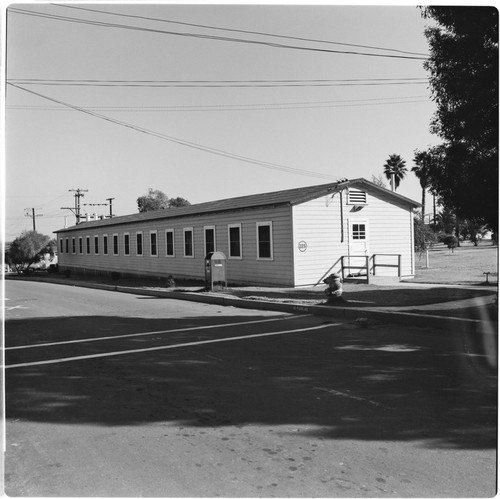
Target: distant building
[290, 238]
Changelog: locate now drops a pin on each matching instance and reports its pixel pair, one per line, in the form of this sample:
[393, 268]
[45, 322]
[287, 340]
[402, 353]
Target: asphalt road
[111, 394]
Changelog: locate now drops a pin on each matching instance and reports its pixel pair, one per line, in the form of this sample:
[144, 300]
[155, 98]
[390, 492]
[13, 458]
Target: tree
[446, 221]
[423, 235]
[395, 170]
[178, 202]
[473, 229]
[157, 200]
[379, 180]
[154, 200]
[422, 161]
[463, 68]
[29, 248]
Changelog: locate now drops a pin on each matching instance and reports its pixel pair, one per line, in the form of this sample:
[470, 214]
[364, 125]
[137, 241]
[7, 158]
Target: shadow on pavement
[369, 383]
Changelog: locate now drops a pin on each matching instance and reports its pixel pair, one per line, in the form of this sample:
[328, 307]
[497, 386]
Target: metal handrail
[366, 265]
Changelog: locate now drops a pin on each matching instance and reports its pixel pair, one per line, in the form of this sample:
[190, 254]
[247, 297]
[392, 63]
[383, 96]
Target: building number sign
[302, 246]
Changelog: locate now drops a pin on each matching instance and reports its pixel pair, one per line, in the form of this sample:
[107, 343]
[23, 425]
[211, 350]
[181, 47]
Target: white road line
[168, 347]
[165, 331]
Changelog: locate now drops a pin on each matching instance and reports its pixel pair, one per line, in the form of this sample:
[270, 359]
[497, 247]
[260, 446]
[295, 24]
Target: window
[80, 245]
[355, 196]
[188, 243]
[153, 243]
[73, 245]
[96, 245]
[234, 236]
[359, 231]
[105, 244]
[87, 241]
[126, 243]
[265, 241]
[169, 242]
[138, 239]
[115, 244]
[61, 246]
[67, 245]
[209, 239]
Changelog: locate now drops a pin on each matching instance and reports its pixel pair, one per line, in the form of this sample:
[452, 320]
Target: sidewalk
[471, 309]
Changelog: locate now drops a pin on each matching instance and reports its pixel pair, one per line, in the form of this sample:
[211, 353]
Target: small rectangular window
[188, 243]
[169, 243]
[61, 246]
[126, 244]
[153, 242]
[105, 244]
[264, 241]
[209, 239]
[87, 244]
[358, 231]
[73, 245]
[138, 238]
[115, 244]
[96, 245]
[234, 236]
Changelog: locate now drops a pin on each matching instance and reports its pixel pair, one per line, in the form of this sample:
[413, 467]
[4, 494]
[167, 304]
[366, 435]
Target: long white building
[290, 238]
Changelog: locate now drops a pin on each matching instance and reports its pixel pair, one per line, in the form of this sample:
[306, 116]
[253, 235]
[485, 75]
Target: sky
[204, 102]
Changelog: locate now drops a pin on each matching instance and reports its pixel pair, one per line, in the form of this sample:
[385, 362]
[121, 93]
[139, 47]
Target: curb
[459, 325]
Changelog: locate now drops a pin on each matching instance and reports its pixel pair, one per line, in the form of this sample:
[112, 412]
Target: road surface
[111, 394]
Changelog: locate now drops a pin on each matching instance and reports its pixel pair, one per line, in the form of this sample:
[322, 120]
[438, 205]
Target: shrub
[450, 241]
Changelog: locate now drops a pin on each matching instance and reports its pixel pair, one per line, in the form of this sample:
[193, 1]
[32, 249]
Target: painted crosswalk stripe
[147, 333]
[168, 347]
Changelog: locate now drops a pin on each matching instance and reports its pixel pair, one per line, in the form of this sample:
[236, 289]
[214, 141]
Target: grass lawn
[463, 265]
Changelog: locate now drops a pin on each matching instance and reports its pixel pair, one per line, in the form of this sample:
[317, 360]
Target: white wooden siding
[318, 224]
[248, 269]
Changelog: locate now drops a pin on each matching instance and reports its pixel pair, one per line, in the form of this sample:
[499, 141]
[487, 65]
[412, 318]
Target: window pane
[209, 241]
[234, 241]
[170, 243]
[264, 234]
[153, 244]
[96, 245]
[105, 245]
[139, 244]
[127, 244]
[358, 231]
[115, 244]
[188, 243]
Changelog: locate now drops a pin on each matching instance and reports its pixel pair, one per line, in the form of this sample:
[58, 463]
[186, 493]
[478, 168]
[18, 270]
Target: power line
[220, 83]
[241, 30]
[235, 107]
[208, 37]
[193, 145]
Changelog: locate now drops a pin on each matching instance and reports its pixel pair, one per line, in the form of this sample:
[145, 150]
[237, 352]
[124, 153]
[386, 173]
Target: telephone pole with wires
[76, 210]
[33, 215]
[110, 206]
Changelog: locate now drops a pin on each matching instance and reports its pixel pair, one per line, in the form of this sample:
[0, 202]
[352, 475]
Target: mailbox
[215, 271]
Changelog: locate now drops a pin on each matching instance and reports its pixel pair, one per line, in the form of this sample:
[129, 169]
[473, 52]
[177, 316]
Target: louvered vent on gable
[356, 196]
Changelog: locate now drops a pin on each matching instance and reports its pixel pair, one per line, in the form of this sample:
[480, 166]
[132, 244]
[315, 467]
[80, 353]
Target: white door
[358, 246]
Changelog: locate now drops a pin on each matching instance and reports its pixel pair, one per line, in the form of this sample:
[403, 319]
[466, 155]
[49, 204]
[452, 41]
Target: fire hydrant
[334, 290]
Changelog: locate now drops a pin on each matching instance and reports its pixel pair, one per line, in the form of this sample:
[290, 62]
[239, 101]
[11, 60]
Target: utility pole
[110, 207]
[33, 216]
[76, 209]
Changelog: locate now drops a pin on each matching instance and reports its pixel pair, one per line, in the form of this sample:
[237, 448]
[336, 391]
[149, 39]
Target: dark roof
[289, 197]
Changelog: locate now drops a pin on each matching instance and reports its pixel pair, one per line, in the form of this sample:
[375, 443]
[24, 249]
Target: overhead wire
[206, 26]
[186, 143]
[208, 37]
[238, 107]
[220, 83]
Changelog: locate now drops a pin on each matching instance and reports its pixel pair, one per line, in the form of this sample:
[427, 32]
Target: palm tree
[395, 170]
[421, 170]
